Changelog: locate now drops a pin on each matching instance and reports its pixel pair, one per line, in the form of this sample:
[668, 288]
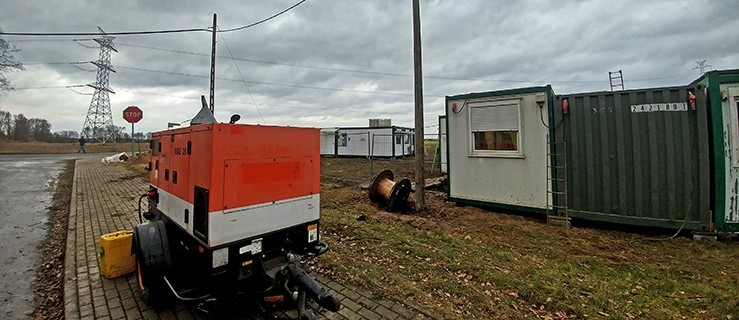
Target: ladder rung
[555, 179]
[557, 192]
[557, 167]
[557, 154]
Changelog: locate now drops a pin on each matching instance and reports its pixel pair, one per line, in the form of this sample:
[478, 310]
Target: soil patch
[49, 283]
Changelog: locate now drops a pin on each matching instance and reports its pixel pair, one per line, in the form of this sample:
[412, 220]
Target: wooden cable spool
[389, 193]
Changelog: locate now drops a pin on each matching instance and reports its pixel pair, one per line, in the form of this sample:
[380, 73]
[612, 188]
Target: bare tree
[7, 63]
[21, 128]
[40, 129]
[5, 126]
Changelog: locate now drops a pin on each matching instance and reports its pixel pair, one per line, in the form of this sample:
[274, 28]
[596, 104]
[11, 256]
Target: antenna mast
[213, 67]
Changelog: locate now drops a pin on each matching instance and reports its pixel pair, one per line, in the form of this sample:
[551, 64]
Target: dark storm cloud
[485, 45]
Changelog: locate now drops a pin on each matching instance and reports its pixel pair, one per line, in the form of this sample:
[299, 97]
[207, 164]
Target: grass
[14, 147]
[469, 263]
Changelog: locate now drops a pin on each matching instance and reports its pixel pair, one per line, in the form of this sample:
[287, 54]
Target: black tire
[151, 285]
[149, 278]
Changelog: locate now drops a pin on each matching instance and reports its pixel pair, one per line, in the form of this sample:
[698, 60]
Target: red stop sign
[133, 114]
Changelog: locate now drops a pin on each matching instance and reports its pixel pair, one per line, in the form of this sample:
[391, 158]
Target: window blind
[503, 117]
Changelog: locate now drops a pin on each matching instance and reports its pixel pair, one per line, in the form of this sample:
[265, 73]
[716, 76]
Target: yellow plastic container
[114, 254]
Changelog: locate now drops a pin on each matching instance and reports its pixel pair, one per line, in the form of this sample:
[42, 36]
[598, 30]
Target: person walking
[82, 144]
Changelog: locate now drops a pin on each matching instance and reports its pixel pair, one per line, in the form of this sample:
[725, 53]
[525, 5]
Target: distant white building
[390, 141]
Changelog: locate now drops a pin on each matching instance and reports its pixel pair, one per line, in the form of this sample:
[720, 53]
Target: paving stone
[350, 304]
[133, 314]
[86, 310]
[350, 294]
[367, 303]
[117, 313]
[101, 311]
[349, 314]
[368, 314]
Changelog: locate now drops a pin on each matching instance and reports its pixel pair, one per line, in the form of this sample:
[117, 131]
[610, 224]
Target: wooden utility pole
[213, 67]
[418, 93]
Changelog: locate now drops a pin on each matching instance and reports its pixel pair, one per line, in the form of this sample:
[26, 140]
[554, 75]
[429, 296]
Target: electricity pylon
[99, 121]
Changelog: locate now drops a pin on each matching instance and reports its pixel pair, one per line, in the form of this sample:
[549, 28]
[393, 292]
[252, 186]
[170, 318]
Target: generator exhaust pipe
[313, 288]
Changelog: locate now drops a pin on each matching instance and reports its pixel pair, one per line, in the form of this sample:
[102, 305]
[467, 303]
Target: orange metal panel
[200, 160]
[268, 163]
[240, 165]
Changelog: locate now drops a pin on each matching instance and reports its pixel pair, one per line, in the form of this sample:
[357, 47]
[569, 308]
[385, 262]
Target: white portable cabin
[390, 141]
[328, 141]
[497, 148]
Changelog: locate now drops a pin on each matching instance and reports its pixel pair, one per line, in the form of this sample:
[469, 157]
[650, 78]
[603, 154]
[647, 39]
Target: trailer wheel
[151, 288]
[152, 261]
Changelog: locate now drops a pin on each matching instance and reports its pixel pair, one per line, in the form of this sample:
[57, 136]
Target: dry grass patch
[464, 262]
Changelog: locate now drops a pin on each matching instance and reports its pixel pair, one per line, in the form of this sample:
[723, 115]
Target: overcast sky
[333, 63]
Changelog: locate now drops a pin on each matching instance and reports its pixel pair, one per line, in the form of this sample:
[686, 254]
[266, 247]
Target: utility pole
[418, 93]
[213, 67]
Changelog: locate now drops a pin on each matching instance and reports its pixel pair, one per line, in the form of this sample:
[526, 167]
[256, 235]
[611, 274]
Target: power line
[123, 33]
[147, 32]
[242, 78]
[52, 87]
[273, 83]
[381, 73]
[54, 62]
[308, 87]
[240, 102]
[263, 20]
[46, 40]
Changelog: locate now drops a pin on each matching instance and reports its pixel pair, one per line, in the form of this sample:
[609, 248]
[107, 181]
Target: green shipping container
[637, 157]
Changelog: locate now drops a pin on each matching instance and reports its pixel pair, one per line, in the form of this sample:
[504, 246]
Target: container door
[732, 188]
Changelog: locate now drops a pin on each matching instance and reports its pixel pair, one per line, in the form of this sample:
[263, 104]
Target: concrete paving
[104, 200]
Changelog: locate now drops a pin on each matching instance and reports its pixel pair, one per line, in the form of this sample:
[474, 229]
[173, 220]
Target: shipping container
[390, 141]
[657, 157]
[722, 91]
[638, 157]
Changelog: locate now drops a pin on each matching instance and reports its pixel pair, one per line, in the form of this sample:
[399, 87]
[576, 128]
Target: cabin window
[495, 128]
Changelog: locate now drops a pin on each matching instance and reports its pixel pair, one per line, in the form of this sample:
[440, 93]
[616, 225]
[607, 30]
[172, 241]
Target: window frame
[472, 152]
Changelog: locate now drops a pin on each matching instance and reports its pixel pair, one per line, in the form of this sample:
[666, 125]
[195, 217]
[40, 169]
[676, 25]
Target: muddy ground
[49, 283]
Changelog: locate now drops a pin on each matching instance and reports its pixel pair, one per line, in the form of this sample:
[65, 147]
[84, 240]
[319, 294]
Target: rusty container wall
[628, 164]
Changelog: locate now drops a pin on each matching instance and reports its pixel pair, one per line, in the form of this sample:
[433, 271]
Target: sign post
[132, 114]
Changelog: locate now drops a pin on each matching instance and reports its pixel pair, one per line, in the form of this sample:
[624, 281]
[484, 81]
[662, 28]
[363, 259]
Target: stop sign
[133, 114]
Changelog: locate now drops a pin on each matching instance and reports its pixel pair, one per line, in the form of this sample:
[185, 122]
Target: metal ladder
[557, 160]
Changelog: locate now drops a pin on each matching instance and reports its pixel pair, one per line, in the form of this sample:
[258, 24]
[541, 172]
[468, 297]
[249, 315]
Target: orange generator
[233, 211]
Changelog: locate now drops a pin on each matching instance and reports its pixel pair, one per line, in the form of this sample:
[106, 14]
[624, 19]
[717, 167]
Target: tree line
[20, 128]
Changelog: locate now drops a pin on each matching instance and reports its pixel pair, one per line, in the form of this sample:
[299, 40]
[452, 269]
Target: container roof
[506, 92]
